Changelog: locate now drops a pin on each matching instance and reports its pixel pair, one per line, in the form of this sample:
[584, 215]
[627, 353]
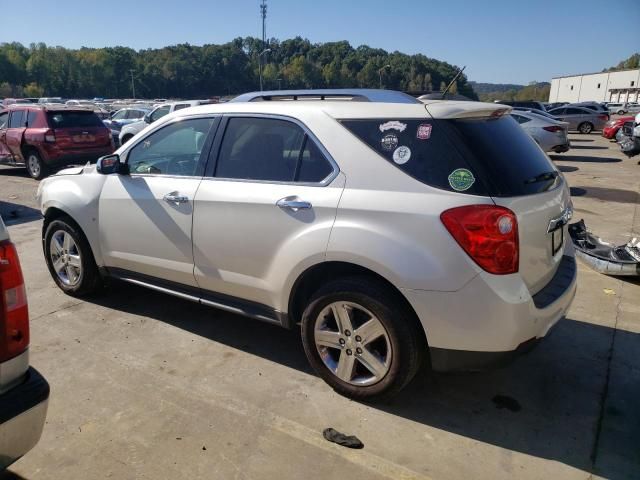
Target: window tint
[172, 150]
[180, 106]
[313, 166]
[260, 149]
[160, 112]
[134, 114]
[520, 118]
[557, 111]
[31, 117]
[121, 115]
[4, 118]
[500, 159]
[575, 111]
[73, 119]
[15, 120]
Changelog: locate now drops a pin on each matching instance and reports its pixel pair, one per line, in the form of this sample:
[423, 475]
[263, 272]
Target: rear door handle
[293, 203]
[176, 198]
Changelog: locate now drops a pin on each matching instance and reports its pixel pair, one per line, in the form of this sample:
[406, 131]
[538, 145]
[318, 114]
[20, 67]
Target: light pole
[265, 51]
[380, 73]
[133, 85]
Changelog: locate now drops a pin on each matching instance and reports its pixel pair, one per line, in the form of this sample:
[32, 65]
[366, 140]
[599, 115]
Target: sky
[499, 41]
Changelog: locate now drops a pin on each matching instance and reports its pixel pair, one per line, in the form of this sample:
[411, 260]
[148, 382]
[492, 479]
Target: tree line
[188, 71]
[534, 91]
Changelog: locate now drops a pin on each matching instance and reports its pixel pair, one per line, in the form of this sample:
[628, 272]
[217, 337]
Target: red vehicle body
[612, 127]
[45, 137]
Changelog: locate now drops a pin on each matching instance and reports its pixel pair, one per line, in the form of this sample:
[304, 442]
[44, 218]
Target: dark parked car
[24, 393]
[525, 104]
[44, 137]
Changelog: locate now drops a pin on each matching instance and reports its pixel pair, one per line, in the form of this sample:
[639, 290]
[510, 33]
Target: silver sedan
[581, 119]
[549, 133]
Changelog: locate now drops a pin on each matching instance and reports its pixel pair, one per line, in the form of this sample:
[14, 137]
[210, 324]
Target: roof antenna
[452, 82]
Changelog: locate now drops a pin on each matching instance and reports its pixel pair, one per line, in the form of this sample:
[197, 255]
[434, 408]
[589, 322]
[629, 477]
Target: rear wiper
[543, 177]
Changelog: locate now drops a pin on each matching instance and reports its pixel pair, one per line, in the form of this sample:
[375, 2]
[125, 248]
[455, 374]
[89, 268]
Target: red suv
[44, 137]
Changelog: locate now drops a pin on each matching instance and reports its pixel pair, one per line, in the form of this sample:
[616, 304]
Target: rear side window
[270, 149]
[482, 156]
[16, 119]
[180, 106]
[73, 119]
[4, 118]
[31, 118]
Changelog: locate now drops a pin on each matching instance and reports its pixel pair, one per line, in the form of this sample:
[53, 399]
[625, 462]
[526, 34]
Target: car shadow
[14, 172]
[567, 168]
[617, 195]
[589, 147]
[15, 213]
[581, 140]
[543, 404]
[7, 475]
[585, 159]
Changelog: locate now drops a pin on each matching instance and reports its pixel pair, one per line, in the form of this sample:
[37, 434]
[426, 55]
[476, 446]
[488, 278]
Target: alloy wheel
[65, 258]
[353, 343]
[34, 165]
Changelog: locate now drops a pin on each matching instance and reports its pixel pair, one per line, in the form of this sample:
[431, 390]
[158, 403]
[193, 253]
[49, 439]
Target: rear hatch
[78, 129]
[476, 149]
[518, 175]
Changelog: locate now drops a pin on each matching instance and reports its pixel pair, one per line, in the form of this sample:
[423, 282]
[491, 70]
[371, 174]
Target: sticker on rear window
[424, 131]
[393, 125]
[461, 179]
[401, 155]
[389, 142]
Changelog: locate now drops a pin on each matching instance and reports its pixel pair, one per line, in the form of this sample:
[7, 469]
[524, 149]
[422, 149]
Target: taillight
[49, 136]
[553, 128]
[14, 313]
[489, 235]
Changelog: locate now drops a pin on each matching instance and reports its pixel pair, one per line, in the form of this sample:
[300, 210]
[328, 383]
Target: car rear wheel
[35, 166]
[585, 127]
[361, 339]
[70, 259]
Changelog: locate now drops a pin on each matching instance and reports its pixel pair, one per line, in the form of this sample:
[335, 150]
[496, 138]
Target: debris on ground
[349, 441]
[602, 256]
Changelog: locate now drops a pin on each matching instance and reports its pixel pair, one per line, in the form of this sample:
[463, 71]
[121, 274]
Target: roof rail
[335, 94]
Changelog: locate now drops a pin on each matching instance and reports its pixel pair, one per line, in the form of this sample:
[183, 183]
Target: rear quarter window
[480, 156]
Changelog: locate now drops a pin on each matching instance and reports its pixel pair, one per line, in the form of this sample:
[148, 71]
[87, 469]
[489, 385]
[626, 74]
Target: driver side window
[172, 150]
[159, 113]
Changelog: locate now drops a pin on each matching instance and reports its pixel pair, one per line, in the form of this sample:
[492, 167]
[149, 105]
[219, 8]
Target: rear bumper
[77, 158]
[23, 410]
[493, 318]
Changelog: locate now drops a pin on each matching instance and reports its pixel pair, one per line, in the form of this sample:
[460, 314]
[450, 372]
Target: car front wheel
[362, 340]
[70, 259]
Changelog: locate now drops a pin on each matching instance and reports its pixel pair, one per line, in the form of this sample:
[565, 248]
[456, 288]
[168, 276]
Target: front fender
[78, 197]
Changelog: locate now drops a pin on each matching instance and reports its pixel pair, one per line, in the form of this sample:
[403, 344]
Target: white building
[622, 86]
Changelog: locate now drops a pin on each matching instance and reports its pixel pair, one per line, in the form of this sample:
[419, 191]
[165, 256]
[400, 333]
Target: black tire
[90, 280]
[405, 335]
[585, 127]
[36, 168]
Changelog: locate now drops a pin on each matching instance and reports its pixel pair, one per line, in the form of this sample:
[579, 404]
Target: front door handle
[176, 198]
[293, 203]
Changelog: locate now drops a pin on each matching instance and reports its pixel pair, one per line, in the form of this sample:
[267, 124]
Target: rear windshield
[487, 156]
[73, 119]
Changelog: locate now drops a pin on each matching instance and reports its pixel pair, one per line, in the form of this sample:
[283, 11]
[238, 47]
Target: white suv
[393, 231]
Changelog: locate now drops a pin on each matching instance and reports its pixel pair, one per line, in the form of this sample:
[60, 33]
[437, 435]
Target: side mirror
[147, 118]
[111, 164]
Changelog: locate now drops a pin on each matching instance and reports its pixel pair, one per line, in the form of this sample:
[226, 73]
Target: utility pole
[133, 85]
[263, 14]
